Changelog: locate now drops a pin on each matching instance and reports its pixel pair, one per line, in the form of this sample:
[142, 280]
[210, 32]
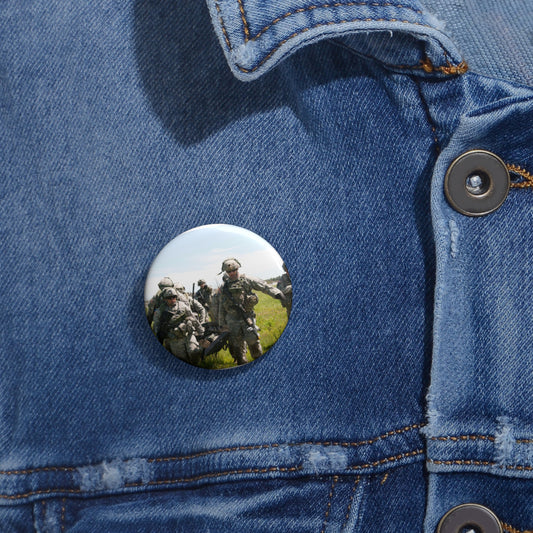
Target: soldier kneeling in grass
[177, 328]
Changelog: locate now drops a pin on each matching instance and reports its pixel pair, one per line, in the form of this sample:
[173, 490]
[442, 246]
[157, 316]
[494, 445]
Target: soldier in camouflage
[236, 304]
[203, 294]
[194, 304]
[177, 328]
[285, 286]
[156, 301]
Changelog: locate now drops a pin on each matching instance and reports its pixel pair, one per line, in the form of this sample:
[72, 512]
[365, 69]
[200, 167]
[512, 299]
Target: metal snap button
[477, 183]
[469, 517]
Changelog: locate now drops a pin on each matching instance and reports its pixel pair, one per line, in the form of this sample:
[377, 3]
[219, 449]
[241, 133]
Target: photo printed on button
[218, 296]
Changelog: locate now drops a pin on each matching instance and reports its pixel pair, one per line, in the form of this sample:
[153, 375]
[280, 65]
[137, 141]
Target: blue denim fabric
[494, 36]
[384, 403]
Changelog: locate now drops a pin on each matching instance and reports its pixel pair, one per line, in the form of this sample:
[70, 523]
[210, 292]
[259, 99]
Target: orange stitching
[63, 510]
[169, 481]
[422, 64]
[512, 529]
[521, 172]
[385, 477]
[219, 474]
[244, 22]
[327, 6]
[309, 443]
[328, 508]
[232, 449]
[34, 492]
[386, 460]
[478, 437]
[362, 442]
[449, 70]
[519, 467]
[41, 469]
[349, 508]
[210, 452]
[462, 462]
[426, 64]
[479, 463]
[228, 44]
[466, 437]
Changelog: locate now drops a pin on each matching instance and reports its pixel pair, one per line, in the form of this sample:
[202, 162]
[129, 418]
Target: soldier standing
[236, 310]
[194, 304]
[285, 286]
[177, 328]
[203, 294]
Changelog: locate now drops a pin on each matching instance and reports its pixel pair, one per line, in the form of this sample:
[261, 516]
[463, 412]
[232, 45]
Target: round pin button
[218, 296]
[477, 183]
[469, 517]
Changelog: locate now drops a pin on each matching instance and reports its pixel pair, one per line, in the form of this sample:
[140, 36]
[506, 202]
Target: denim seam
[384, 480]
[266, 470]
[465, 437]
[427, 65]
[350, 502]
[392, 459]
[328, 507]
[244, 22]
[63, 512]
[457, 438]
[429, 118]
[424, 64]
[223, 26]
[367, 442]
[528, 177]
[475, 462]
[39, 492]
[326, 6]
[212, 475]
[247, 37]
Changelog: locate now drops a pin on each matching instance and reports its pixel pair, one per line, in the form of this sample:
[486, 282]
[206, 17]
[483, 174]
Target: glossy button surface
[469, 516]
[218, 296]
[477, 183]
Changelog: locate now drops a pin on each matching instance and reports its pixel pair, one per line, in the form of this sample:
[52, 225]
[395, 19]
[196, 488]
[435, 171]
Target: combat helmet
[230, 264]
[179, 286]
[201, 281]
[169, 292]
[165, 282]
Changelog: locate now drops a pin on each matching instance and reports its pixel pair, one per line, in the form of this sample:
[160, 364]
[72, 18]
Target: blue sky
[198, 253]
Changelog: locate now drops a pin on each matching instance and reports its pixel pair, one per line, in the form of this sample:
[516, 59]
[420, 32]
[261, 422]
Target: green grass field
[271, 319]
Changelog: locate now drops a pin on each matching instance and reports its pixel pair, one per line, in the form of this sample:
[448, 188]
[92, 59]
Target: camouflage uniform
[285, 286]
[156, 301]
[177, 329]
[203, 294]
[195, 305]
[235, 311]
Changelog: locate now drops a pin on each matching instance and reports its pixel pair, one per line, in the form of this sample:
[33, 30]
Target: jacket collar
[257, 34]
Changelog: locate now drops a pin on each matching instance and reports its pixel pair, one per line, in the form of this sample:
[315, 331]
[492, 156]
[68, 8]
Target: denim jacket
[402, 385]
